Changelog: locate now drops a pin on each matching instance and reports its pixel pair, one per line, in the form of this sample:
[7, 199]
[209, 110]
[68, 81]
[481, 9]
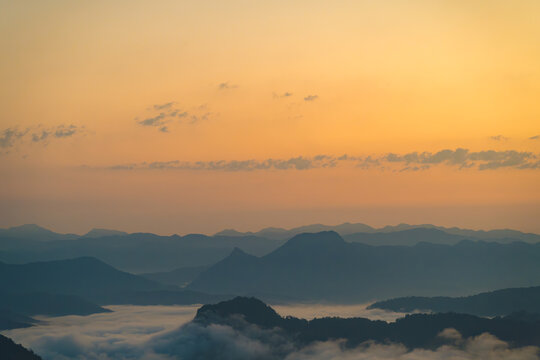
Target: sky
[194, 116]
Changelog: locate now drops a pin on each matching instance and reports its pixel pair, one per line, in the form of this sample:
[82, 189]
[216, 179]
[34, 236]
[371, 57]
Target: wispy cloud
[311, 97]
[13, 137]
[226, 86]
[10, 136]
[414, 161]
[66, 131]
[499, 138]
[157, 120]
[283, 95]
[483, 160]
[60, 131]
[164, 106]
[536, 137]
[164, 116]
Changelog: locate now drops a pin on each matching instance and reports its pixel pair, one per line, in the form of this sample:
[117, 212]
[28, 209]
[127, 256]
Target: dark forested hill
[494, 303]
[11, 351]
[414, 331]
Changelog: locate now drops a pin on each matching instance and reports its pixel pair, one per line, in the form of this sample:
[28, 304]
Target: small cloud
[38, 134]
[9, 136]
[536, 137]
[284, 95]
[157, 120]
[498, 138]
[40, 137]
[196, 118]
[311, 97]
[164, 106]
[226, 86]
[164, 116]
[65, 131]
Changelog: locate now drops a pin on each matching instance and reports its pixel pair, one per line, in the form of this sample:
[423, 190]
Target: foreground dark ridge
[495, 303]
[11, 351]
[413, 331]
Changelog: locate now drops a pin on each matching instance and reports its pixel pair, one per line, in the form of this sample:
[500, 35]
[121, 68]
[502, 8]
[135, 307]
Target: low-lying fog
[156, 333]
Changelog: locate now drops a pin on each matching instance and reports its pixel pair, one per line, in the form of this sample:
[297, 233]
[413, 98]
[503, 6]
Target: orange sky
[96, 96]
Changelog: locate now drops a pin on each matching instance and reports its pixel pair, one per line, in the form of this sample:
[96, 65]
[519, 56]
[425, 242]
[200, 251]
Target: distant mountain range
[323, 266]
[137, 253]
[34, 232]
[413, 331]
[412, 237]
[150, 253]
[11, 351]
[347, 229]
[38, 233]
[495, 303]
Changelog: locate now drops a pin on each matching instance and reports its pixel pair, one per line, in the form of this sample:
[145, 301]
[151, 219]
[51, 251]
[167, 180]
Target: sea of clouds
[165, 333]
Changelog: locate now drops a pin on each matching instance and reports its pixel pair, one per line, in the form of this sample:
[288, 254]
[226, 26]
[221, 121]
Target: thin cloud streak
[414, 161]
[11, 137]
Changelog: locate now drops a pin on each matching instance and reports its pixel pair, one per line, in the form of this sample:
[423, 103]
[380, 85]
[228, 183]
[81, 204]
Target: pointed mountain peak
[237, 252]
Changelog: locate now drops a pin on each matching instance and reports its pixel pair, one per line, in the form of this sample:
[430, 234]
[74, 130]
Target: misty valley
[349, 291]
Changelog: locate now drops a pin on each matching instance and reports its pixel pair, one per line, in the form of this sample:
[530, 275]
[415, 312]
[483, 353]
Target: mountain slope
[11, 351]
[495, 303]
[323, 266]
[86, 277]
[41, 303]
[178, 277]
[34, 232]
[72, 286]
[11, 320]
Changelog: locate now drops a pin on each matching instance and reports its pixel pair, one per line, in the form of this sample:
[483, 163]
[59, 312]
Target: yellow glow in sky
[192, 116]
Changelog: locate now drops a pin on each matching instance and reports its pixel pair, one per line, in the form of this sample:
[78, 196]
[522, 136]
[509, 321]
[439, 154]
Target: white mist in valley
[166, 333]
